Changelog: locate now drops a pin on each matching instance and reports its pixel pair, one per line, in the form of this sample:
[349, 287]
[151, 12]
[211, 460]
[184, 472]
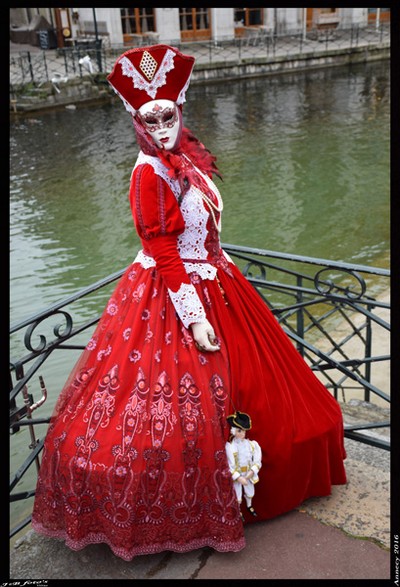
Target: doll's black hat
[239, 420]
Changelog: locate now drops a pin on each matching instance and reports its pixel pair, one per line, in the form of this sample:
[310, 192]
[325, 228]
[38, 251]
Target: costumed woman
[134, 455]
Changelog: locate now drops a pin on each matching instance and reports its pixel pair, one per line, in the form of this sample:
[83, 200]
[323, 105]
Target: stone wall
[95, 89]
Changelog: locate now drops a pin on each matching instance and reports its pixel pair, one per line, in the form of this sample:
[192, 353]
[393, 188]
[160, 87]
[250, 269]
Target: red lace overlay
[134, 455]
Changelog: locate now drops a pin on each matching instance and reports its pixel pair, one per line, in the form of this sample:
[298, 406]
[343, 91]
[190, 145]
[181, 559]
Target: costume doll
[135, 451]
[244, 459]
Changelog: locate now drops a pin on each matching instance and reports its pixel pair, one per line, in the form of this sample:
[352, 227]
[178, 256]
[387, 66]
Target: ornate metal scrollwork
[328, 286]
[259, 266]
[61, 331]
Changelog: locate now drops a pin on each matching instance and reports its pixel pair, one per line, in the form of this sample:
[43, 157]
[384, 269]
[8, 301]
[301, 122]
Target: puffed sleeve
[159, 222]
[256, 460]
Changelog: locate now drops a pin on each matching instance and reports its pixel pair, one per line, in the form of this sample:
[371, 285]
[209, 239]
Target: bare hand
[242, 480]
[250, 474]
[204, 336]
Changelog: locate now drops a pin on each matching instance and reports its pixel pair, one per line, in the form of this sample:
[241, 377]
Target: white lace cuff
[205, 270]
[187, 304]
[145, 261]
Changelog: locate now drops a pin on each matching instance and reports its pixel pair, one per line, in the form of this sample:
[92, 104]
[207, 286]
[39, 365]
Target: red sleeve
[158, 222]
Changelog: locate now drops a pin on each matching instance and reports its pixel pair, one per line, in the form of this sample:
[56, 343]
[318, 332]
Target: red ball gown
[135, 451]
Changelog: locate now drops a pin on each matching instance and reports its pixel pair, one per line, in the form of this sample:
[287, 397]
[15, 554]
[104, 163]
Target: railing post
[30, 66]
[98, 44]
[300, 314]
[368, 351]
[28, 401]
[46, 69]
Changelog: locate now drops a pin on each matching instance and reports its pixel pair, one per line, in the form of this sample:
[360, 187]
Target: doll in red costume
[135, 451]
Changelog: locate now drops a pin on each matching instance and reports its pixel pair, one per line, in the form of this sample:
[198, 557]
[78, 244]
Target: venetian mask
[162, 121]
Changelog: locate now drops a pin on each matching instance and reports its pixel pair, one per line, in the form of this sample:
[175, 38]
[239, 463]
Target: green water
[305, 161]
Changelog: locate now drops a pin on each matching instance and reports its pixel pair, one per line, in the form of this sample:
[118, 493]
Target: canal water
[305, 165]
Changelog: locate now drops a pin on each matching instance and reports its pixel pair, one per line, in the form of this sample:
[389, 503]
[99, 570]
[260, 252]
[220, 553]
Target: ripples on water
[305, 160]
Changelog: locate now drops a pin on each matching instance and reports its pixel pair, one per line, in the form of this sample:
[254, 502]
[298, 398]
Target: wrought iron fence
[91, 57]
[331, 310]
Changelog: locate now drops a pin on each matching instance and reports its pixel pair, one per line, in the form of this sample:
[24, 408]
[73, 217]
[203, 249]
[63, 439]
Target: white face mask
[161, 120]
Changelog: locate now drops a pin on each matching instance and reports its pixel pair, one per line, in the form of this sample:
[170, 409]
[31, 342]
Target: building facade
[136, 26]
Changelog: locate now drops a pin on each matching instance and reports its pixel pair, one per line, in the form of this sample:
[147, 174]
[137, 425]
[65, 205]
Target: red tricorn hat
[159, 72]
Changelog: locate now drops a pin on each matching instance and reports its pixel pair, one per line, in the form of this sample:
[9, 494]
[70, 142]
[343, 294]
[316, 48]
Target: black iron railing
[93, 57]
[311, 304]
[333, 312]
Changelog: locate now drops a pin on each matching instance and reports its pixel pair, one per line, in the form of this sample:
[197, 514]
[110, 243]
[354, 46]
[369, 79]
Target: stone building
[138, 26]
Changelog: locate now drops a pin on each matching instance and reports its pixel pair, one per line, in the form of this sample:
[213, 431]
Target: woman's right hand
[204, 336]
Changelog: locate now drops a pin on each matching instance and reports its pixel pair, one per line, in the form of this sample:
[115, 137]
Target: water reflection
[308, 153]
[305, 160]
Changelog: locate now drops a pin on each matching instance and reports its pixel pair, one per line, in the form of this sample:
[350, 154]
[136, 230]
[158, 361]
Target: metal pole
[28, 402]
[368, 352]
[275, 30]
[299, 314]
[30, 65]
[95, 24]
[98, 48]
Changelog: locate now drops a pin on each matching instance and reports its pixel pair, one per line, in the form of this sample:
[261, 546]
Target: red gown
[135, 452]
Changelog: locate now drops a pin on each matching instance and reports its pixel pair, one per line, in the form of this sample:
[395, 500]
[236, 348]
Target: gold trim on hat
[148, 65]
[236, 424]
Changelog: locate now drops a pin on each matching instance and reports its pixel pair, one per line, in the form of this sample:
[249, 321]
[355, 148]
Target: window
[137, 21]
[327, 10]
[248, 16]
[382, 16]
[322, 18]
[194, 24]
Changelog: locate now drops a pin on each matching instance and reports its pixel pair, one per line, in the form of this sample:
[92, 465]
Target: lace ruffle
[160, 170]
[128, 554]
[159, 80]
[187, 304]
[204, 270]
[145, 260]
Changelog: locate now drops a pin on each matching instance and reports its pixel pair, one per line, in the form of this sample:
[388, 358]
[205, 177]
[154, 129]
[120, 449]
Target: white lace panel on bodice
[191, 243]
